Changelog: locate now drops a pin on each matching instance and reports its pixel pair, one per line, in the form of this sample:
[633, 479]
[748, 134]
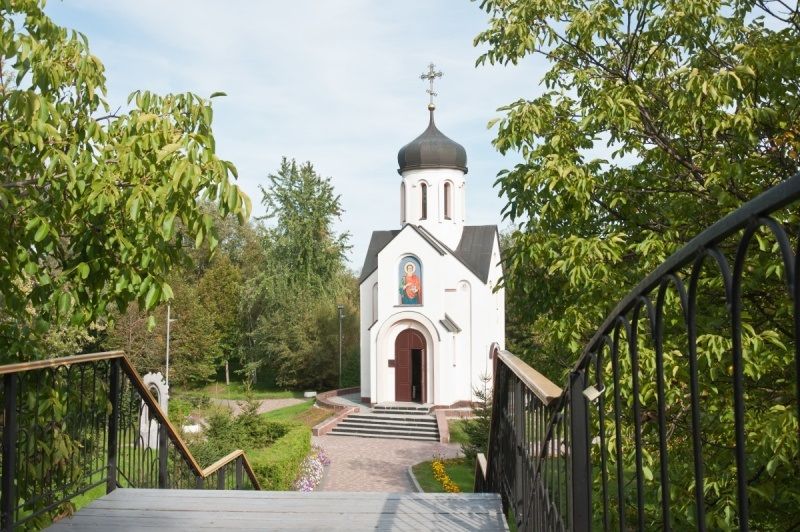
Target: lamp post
[341, 316]
[169, 320]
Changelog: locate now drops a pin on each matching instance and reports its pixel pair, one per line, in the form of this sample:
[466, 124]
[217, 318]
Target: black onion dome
[432, 149]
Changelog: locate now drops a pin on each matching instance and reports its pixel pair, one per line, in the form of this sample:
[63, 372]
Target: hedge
[277, 466]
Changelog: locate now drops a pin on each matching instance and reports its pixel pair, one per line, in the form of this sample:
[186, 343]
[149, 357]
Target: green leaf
[167, 225]
[134, 207]
[83, 270]
[41, 233]
[152, 297]
[64, 303]
[217, 94]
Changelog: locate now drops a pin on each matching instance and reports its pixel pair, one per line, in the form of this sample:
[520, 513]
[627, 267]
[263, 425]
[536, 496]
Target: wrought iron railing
[655, 427]
[88, 423]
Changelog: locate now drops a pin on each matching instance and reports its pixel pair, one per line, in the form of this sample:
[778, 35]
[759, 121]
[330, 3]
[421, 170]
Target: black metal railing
[682, 411]
[85, 425]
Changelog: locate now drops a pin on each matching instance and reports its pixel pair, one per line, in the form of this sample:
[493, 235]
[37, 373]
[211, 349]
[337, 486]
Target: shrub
[277, 466]
[225, 434]
[477, 429]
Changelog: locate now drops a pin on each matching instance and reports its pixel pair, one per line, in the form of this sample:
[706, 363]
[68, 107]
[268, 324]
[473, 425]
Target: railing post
[518, 426]
[8, 496]
[239, 473]
[221, 477]
[580, 478]
[199, 483]
[163, 468]
[113, 422]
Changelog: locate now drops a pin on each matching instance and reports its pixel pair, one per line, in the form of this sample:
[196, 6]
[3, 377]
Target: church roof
[474, 250]
[432, 149]
[376, 244]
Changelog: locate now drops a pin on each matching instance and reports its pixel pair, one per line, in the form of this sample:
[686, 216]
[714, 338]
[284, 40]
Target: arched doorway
[410, 371]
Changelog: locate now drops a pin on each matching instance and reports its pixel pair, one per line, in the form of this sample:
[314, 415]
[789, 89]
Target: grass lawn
[460, 470]
[305, 413]
[236, 391]
[457, 434]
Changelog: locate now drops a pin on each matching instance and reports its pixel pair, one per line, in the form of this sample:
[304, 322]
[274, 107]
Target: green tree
[289, 305]
[90, 204]
[303, 206]
[89, 197]
[656, 119]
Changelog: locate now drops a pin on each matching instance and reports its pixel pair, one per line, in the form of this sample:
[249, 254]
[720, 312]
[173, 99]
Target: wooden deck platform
[137, 509]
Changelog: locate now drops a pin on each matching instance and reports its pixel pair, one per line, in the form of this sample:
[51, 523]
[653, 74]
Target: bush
[178, 411]
[277, 466]
[249, 431]
[477, 429]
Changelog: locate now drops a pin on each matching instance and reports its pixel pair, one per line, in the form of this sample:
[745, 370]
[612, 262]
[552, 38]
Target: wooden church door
[409, 371]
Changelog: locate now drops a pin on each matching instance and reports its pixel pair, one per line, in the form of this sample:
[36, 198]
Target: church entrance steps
[381, 434]
[402, 407]
[390, 422]
[398, 418]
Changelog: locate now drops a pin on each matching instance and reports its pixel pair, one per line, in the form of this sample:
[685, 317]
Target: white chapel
[431, 319]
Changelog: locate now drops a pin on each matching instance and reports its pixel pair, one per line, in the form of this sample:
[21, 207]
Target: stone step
[411, 420]
[400, 435]
[415, 409]
[387, 424]
[399, 428]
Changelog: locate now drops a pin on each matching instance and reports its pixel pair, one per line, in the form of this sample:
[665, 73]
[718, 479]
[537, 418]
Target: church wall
[448, 231]
[366, 309]
[389, 302]
[455, 361]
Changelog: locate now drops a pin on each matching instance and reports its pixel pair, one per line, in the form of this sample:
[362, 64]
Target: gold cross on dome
[431, 75]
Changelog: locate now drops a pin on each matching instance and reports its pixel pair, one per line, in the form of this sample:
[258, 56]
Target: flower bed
[311, 469]
[440, 473]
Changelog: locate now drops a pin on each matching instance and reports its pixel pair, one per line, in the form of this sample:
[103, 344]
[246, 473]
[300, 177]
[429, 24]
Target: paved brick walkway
[374, 464]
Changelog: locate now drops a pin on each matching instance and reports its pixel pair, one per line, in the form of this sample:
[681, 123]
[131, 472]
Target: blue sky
[333, 82]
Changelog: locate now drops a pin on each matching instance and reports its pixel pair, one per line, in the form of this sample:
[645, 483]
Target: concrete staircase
[405, 422]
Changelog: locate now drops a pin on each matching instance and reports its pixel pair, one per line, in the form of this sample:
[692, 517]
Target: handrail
[159, 414]
[602, 452]
[20, 367]
[225, 460]
[145, 395]
[543, 387]
[175, 436]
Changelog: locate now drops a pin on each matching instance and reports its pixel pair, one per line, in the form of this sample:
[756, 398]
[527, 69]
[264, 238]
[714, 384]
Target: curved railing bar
[152, 404]
[736, 332]
[773, 199]
[658, 341]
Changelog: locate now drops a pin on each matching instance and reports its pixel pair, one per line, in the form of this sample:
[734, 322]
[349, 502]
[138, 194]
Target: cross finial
[431, 75]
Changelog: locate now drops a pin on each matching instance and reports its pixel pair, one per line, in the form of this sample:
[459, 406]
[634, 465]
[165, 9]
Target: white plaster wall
[448, 231]
[365, 322]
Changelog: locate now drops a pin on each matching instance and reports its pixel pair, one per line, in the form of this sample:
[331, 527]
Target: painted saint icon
[410, 281]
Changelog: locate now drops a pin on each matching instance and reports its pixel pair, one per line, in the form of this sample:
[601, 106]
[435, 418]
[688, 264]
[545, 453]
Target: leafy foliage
[91, 200]
[289, 308]
[694, 108]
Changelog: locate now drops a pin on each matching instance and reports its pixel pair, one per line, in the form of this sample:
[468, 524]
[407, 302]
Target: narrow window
[424, 190]
[448, 201]
[374, 302]
[402, 202]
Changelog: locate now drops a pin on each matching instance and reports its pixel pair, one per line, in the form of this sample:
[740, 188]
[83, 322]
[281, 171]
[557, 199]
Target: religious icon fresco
[410, 281]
